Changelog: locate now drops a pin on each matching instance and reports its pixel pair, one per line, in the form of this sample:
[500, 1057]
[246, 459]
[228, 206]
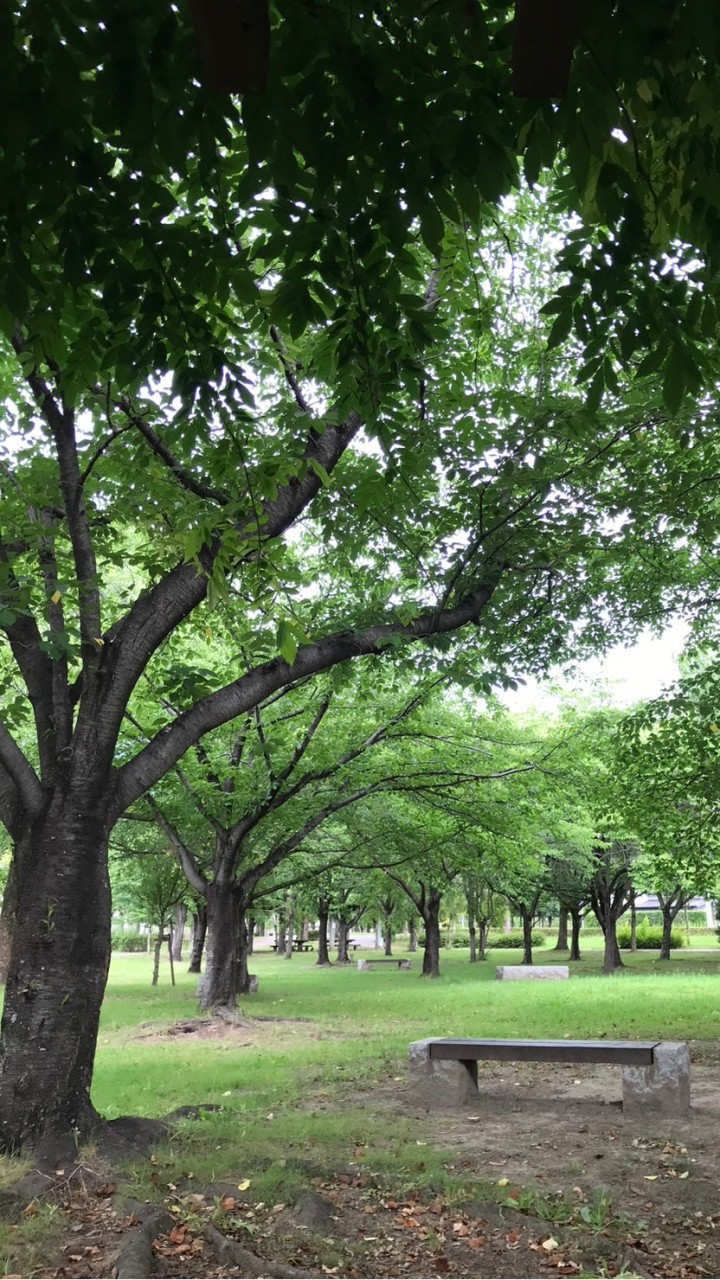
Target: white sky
[625, 675]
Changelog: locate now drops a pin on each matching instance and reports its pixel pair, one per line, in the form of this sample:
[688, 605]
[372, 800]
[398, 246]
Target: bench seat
[366, 961]
[656, 1074]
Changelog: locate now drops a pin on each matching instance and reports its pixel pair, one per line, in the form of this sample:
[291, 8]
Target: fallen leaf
[461, 1229]
[107, 1189]
[243, 1186]
[31, 1209]
[477, 1242]
[550, 1244]
[651, 1177]
[686, 1174]
[503, 1182]
[228, 1203]
[442, 1265]
[178, 1234]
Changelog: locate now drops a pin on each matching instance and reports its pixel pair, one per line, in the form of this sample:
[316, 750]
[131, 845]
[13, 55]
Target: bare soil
[577, 1190]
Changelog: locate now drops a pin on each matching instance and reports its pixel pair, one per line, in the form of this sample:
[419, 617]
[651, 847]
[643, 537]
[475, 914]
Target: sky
[627, 674]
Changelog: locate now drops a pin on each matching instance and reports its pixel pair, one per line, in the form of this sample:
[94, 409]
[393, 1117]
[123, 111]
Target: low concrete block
[540, 972]
[661, 1088]
[404, 964]
[363, 964]
[253, 984]
[440, 1082]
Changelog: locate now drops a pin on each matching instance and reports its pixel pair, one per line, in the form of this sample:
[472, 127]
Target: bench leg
[441, 1083]
[662, 1088]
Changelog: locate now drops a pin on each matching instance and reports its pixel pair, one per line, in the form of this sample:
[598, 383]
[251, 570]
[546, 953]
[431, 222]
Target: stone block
[662, 1088]
[253, 984]
[540, 972]
[440, 1082]
[363, 964]
[403, 964]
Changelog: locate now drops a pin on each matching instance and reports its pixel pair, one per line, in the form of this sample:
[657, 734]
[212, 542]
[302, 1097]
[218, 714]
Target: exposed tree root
[232, 1016]
[235, 1255]
[135, 1260]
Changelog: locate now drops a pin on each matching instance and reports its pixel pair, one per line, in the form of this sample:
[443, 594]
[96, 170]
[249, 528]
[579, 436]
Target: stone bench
[516, 972]
[656, 1074]
[367, 961]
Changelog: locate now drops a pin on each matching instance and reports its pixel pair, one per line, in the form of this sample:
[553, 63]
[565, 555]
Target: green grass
[361, 1023]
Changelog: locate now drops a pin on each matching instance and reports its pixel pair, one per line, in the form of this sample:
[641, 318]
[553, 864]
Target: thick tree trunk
[220, 985]
[343, 933]
[198, 938]
[57, 975]
[612, 960]
[576, 919]
[527, 924]
[667, 924]
[323, 954]
[412, 929]
[281, 934]
[179, 930]
[387, 938]
[7, 920]
[473, 942]
[484, 926]
[431, 920]
[562, 937]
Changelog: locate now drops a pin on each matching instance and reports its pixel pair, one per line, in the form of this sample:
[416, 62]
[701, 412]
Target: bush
[129, 942]
[649, 937]
[514, 939]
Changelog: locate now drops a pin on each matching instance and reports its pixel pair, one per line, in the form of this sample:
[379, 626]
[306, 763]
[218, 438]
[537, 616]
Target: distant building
[649, 902]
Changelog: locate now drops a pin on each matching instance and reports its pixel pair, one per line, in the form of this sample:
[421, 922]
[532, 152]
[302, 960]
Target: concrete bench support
[516, 972]
[663, 1087]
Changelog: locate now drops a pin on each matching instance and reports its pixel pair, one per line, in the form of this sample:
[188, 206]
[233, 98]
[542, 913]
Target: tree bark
[323, 954]
[243, 955]
[576, 919]
[562, 938]
[387, 939]
[612, 959]
[473, 941]
[431, 920]
[484, 926]
[179, 930]
[7, 920]
[157, 949]
[251, 923]
[343, 933]
[57, 974]
[198, 938]
[527, 924]
[288, 953]
[220, 985]
[412, 929]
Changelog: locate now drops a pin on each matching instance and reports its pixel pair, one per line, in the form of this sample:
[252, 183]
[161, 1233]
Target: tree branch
[19, 769]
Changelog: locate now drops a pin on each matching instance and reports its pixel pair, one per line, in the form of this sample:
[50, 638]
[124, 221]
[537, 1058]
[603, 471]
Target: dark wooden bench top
[636, 1053]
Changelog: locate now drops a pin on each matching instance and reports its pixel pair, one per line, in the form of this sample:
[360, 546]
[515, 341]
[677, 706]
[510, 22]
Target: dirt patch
[240, 1035]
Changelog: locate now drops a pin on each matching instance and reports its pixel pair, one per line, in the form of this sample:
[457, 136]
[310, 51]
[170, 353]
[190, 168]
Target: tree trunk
[288, 953]
[473, 942]
[281, 934]
[387, 938]
[323, 913]
[667, 924]
[562, 938]
[612, 959]
[198, 938]
[412, 929]
[243, 956]
[378, 935]
[343, 933]
[527, 926]
[179, 930]
[220, 985]
[431, 920]
[156, 957]
[56, 979]
[576, 919]
[251, 923]
[633, 926]
[7, 920]
[484, 926]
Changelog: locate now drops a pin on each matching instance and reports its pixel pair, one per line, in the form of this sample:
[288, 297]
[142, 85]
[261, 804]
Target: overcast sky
[628, 674]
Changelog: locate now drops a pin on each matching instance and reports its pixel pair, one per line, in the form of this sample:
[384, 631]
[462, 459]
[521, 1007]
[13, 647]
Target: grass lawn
[362, 1023]
[311, 1087]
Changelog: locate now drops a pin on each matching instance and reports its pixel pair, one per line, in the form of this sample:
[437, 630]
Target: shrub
[129, 942]
[514, 939]
[649, 937]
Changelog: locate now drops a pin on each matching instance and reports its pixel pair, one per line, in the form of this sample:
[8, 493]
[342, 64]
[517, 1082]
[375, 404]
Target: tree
[611, 892]
[229, 319]
[149, 886]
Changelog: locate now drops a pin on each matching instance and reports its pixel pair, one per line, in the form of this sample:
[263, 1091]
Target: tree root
[248, 1263]
[232, 1016]
[135, 1260]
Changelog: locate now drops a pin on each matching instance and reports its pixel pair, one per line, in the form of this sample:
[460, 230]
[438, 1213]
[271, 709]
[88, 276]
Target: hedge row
[129, 942]
[648, 938]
